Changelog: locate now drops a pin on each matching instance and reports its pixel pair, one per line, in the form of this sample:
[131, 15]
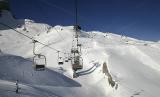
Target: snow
[133, 64]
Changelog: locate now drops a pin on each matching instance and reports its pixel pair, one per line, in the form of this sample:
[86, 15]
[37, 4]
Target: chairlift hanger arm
[34, 48]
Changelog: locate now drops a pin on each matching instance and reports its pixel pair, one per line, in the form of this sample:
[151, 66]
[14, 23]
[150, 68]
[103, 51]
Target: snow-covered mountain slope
[133, 64]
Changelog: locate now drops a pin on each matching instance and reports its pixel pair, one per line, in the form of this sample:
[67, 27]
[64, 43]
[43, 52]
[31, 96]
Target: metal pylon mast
[76, 18]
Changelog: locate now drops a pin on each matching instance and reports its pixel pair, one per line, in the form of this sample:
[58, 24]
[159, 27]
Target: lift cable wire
[60, 37]
[56, 6]
[76, 4]
[82, 18]
[76, 13]
[16, 31]
[31, 38]
[58, 33]
[62, 9]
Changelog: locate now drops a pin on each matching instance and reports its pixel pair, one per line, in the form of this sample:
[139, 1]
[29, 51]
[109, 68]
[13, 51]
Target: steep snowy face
[132, 67]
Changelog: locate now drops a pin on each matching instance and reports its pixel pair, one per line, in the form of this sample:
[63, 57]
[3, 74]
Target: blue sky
[135, 18]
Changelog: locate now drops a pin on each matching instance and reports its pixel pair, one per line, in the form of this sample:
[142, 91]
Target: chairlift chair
[39, 62]
[70, 58]
[66, 59]
[60, 61]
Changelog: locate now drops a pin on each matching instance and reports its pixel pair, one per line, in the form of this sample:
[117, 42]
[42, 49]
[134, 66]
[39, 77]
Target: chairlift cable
[16, 30]
[58, 33]
[83, 18]
[76, 13]
[31, 38]
[60, 37]
[58, 7]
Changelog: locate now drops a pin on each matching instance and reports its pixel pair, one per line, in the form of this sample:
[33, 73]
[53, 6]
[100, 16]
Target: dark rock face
[4, 5]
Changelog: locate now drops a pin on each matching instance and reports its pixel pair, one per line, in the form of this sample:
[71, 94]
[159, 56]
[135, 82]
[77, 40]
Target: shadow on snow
[14, 68]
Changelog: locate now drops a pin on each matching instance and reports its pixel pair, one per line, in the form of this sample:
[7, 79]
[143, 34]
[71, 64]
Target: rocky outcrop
[4, 5]
[107, 73]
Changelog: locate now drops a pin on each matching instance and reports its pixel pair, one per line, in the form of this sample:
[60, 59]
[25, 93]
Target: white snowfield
[133, 64]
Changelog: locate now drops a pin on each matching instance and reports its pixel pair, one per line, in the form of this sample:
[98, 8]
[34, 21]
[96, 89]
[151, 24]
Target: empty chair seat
[60, 61]
[39, 62]
[40, 67]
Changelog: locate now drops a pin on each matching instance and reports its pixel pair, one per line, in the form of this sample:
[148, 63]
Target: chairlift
[66, 57]
[60, 61]
[66, 60]
[77, 63]
[39, 62]
[69, 58]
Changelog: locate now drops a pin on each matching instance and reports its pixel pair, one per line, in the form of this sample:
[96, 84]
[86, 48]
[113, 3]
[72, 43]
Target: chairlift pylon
[76, 61]
[77, 27]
